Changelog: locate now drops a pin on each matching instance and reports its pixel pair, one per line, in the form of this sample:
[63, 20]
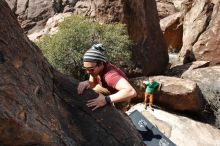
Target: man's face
[92, 68]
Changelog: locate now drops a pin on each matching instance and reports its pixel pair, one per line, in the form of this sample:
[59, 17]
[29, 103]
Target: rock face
[51, 26]
[39, 106]
[150, 52]
[32, 14]
[207, 47]
[201, 33]
[173, 31]
[165, 8]
[175, 93]
[208, 80]
[104, 11]
[179, 70]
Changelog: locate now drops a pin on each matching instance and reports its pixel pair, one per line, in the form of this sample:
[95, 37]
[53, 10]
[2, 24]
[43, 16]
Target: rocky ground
[181, 130]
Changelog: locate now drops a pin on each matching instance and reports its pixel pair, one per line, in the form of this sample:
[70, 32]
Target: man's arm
[125, 91]
[91, 83]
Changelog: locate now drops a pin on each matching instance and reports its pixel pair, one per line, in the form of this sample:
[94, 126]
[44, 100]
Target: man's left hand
[97, 102]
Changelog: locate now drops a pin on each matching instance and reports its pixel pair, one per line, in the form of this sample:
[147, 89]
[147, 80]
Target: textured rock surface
[165, 8]
[207, 47]
[150, 52]
[41, 107]
[208, 80]
[172, 28]
[50, 28]
[32, 14]
[201, 33]
[179, 70]
[181, 130]
[175, 93]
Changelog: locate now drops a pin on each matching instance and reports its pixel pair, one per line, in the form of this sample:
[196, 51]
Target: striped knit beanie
[95, 53]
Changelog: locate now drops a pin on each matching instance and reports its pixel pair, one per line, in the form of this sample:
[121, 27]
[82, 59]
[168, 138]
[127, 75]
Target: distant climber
[151, 85]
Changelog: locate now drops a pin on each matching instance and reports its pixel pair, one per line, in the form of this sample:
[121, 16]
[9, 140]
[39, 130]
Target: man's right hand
[82, 86]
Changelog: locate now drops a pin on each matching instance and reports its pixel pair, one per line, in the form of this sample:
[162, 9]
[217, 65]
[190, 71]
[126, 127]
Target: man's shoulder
[112, 69]
[111, 66]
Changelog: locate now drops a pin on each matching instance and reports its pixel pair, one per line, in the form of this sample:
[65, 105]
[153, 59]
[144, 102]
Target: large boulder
[201, 29]
[150, 51]
[172, 29]
[32, 14]
[165, 8]
[102, 10]
[179, 70]
[175, 93]
[50, 28]
[208, 80]
[40, 106]
[207, 47]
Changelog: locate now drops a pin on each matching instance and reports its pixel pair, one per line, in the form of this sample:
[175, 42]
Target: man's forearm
[92, 84]
[122, 95]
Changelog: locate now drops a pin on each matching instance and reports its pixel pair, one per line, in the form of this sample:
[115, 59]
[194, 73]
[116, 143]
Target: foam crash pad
[151, 135]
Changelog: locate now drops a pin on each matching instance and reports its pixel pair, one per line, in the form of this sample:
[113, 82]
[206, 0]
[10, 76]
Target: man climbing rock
[110, 82]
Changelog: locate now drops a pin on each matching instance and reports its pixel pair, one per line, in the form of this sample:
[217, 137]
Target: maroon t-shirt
[110, 77]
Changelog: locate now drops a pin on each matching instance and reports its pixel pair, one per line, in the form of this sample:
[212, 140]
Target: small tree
[65, 49]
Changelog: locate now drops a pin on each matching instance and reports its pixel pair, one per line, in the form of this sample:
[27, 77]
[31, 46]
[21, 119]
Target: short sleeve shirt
[110, 77]
[151, 86]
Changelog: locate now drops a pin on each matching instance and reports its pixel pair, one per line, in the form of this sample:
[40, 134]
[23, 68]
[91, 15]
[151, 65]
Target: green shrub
[76, 35]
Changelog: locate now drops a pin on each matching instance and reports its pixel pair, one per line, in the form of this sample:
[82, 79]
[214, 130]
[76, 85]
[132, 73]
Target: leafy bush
[76, 35]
